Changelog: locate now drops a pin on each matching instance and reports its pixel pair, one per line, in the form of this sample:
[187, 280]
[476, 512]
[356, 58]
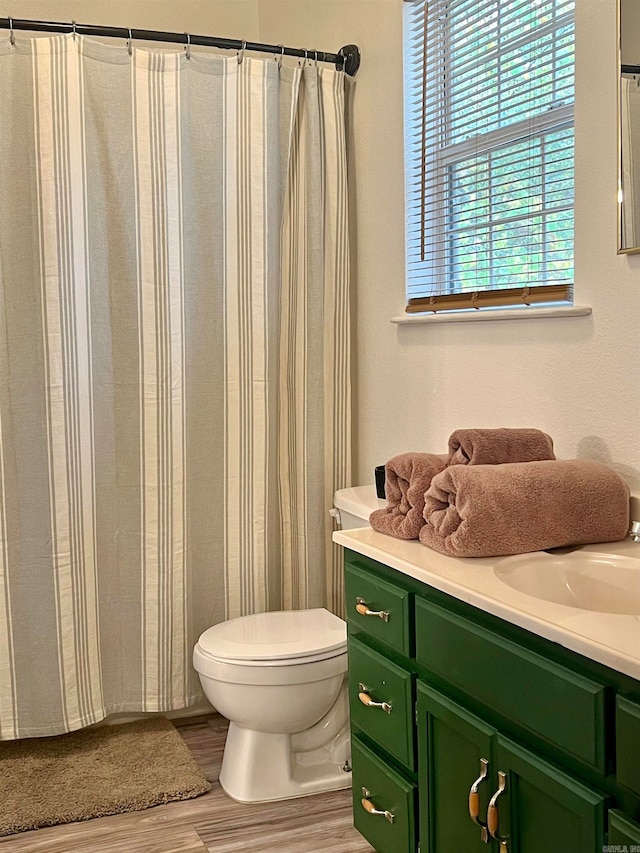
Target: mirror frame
[632, 250]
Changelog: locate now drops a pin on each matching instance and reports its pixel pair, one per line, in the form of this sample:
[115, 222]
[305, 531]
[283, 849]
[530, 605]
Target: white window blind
[489, 92]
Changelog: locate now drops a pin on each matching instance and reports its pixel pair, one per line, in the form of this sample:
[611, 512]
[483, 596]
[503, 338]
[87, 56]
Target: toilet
[280, 680]
[352, 507]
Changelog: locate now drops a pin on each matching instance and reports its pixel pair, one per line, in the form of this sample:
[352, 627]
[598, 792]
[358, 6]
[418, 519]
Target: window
[489, 91]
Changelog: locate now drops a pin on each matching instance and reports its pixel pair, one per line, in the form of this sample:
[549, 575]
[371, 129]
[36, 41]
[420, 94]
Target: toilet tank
[352, 507]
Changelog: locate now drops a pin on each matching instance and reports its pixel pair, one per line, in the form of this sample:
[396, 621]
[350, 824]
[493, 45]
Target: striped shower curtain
[174, 364]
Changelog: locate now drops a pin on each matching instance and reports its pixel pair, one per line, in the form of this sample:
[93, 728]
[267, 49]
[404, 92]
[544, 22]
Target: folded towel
[494, 510]
[495, 446]
[407, 478]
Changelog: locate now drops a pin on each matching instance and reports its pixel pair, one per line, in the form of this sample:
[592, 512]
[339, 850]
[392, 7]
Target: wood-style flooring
[211, 823]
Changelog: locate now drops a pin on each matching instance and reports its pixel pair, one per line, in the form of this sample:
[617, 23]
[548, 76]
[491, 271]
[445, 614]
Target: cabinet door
[623, 831]
[452, 745]
[542, 809]
[627, 741]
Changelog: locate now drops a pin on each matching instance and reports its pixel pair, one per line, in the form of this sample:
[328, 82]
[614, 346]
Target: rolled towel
[495, 446]
[495, 510]
[407, 478]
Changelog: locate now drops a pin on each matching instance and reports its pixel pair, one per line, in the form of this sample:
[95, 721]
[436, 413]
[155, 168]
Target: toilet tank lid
[281, 635]
[360, 501]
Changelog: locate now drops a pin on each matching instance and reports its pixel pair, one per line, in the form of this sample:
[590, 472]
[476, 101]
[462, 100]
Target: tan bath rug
[94, 772]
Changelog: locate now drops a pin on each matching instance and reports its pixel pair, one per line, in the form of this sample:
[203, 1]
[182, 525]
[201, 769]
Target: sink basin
[588, 580]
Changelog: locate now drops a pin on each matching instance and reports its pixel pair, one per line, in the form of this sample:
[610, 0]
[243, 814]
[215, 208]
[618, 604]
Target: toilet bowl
[280, 680]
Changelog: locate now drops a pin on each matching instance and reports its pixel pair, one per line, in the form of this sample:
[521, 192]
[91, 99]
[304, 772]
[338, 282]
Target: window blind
[489, 92]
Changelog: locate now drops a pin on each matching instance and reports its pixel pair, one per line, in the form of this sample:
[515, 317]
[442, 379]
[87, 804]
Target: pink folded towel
[407, 478]
[495, 510]
[495, 446]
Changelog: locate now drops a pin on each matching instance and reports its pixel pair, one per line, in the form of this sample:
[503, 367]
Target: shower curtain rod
[347, 58]
[630, 69]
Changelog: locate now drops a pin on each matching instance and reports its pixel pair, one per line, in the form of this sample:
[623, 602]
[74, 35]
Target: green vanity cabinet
[475, 735]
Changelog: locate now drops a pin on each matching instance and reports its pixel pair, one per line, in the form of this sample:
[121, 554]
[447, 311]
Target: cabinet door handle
[368, 806]
[474, 800]
[363, 609]
[492, 813]
[369, 702]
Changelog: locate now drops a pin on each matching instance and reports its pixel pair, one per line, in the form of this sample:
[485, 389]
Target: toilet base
[258, 767]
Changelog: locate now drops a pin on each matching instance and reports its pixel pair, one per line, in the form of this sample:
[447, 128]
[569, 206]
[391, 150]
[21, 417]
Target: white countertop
[609, 638]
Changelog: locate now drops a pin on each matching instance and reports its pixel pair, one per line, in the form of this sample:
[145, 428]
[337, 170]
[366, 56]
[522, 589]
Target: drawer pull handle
[474, 800]
[369, 702]
[492, 813]
[363, 609]
[368, 806]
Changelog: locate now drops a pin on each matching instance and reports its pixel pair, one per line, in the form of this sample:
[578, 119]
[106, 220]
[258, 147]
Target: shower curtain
[174, 357]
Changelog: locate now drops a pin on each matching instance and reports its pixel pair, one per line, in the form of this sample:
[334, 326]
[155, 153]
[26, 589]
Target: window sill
[472, 315]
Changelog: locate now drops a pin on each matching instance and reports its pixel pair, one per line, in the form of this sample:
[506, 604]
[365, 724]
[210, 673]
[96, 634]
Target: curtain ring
[241, 52]
[12, 38]
[187, 48]
[315, 60]
[130, 43]
[73, 29]
[279, 58]
[305, 55]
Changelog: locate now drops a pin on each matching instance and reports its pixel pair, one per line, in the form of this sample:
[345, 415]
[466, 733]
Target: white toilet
[280, 679]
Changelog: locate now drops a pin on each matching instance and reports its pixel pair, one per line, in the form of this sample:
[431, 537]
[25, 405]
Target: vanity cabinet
[471, 734]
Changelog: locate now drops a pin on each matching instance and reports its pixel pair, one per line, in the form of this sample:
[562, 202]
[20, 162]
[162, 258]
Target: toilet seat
[280, 638]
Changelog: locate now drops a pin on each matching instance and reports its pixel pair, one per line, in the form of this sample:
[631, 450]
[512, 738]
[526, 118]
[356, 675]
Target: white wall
[578, 379]
[225, 18]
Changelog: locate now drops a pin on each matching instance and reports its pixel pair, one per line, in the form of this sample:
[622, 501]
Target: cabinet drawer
[383, 681]
[380, 597]
[622, 831]
[628, 743]
[547, 699]
[387, 791]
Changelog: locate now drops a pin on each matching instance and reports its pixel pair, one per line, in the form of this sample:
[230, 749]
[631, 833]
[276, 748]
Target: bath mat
[94, 772]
